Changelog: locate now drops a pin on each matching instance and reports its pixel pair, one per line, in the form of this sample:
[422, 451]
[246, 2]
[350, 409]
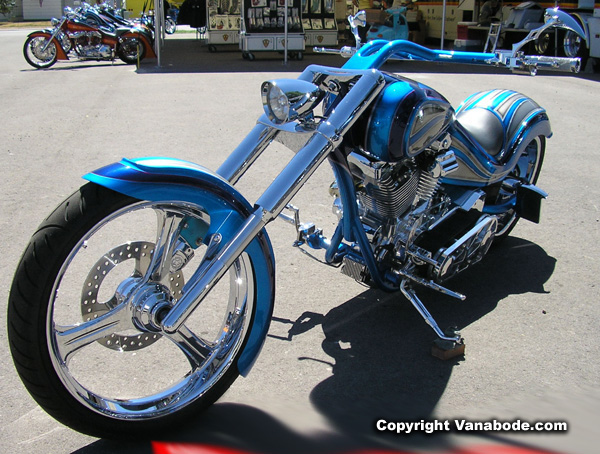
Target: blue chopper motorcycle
[145, 294]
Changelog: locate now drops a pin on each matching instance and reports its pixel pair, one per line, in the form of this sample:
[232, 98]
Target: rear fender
[171, 180]
[145, 41]
[535, 126]
[60, 53]
[564, 20]
[521, 120]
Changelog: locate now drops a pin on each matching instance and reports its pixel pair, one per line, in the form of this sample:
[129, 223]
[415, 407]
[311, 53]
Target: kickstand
[449, 344]
[444, 349]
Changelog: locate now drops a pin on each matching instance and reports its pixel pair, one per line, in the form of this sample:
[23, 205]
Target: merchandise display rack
[318, 22]
[263, 28]
[223, 23]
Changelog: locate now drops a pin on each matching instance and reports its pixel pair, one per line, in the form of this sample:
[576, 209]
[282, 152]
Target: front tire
[78, 349]
[36, 55]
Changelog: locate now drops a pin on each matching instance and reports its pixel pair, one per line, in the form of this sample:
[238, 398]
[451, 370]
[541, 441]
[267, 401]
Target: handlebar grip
[345, 51]
[531, 63]
[554, 63]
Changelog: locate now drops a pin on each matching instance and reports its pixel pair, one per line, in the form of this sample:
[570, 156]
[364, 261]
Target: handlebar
[375, 53]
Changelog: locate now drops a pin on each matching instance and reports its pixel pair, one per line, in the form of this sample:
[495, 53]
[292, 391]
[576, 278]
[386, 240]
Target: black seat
[485, 127]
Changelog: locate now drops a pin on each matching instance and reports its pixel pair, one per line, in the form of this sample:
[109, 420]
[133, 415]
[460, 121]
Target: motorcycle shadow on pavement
[382, 368]
[381, 345]
[75, 66]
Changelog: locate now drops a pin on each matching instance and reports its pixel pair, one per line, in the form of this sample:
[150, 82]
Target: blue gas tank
[406, 119]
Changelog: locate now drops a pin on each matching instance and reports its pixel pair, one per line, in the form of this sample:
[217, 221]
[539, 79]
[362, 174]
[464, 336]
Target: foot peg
[306, 233]
[445, 349]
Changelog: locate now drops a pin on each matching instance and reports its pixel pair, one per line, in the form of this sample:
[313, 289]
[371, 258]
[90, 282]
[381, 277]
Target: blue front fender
[172, 180]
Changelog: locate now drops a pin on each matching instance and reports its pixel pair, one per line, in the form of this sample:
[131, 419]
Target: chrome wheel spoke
[141, 264]
[69, 339]
[196, 350]
[168, 228]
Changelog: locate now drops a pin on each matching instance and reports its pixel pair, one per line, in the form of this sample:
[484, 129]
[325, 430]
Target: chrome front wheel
[85, 311]
[170, 26]
[39, 53]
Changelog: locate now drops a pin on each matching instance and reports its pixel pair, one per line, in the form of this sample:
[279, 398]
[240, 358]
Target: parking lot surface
[339, 357]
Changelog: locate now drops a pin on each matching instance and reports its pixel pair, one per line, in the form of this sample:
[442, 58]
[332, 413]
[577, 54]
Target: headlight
[286, 100]
[54, 21]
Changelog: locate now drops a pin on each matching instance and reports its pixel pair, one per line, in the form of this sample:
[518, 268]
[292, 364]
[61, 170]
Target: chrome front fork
[324, 140]
[57, 30]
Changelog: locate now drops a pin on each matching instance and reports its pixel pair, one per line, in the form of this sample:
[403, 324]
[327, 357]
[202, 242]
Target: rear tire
[77, 347]
[527, 170]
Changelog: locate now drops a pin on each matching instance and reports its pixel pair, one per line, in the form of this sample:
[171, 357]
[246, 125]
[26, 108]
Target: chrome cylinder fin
[428, 184]
[388, 198]
[430, 180]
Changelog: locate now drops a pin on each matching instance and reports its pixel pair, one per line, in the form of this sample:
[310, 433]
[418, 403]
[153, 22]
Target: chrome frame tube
[326, 139]
[294, 175]
[57, 30]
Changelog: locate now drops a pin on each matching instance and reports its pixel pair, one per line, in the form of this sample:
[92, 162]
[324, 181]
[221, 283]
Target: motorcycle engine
[391, 196]
[89, 45]
[411, 222]
[398, 153]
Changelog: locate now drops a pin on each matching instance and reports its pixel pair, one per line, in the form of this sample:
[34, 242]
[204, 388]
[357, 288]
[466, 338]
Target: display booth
[318, 21]
[263, 27]
[223, 23]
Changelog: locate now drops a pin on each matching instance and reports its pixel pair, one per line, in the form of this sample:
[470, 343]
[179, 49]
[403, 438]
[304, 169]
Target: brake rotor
[91, 308]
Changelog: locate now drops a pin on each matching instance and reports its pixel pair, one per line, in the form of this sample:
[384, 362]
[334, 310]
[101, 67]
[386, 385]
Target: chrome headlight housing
[286, 100]
[54, 21]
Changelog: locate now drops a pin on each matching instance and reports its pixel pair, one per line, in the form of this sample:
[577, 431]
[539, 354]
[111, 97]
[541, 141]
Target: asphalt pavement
[339, 356]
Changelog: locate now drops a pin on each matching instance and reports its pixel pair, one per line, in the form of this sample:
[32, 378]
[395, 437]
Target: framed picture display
[317, 24]
[315, 6]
